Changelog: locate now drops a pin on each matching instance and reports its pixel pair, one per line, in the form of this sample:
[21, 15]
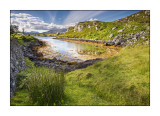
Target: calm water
[64, 50]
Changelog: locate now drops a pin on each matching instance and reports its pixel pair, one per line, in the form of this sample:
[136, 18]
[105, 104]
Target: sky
[45, 20]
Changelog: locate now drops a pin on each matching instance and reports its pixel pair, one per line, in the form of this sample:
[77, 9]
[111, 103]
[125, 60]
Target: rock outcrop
[129, 39]
[17, 63]
[17, 59]
[78, 27]
[81, 25]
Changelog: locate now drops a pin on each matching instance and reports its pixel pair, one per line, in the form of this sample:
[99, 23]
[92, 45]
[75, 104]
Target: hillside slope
[120, 80]
[122, 32]
[123, 79]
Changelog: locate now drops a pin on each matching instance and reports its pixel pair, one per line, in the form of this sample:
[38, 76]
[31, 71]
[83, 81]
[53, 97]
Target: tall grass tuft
[45, 86]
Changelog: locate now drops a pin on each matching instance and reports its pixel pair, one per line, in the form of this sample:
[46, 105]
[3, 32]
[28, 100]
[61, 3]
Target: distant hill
[55, 30]
[32, 32]
[124, 31]
[52, 31]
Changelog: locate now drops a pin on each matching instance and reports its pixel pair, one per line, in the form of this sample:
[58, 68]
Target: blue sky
[44, 20]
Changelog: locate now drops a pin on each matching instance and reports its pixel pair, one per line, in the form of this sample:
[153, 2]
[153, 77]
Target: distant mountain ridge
[52, 31]
[55, 30]
[32, 32]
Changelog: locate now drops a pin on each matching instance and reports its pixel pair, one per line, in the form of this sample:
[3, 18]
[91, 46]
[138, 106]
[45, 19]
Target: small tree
[13, 29]
[23, 31]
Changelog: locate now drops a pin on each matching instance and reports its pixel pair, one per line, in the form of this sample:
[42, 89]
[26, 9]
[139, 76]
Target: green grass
[23, 39]
[39, 86]
[45, 86]
[45, 35]
[120, 80]
[21, 98]
[94, 50]
[106, 29]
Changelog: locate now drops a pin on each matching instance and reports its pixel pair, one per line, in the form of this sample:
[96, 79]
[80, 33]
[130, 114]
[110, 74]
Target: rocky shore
[119, 40]
[38, 59]
[131, 38]
[19, 52]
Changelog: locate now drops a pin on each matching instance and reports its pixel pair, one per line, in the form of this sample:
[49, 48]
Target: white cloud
[31, 23]
[91, 19]
[20, 14]
[77, 16]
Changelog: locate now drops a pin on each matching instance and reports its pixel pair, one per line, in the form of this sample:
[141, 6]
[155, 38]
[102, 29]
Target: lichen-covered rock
[110, 43]
[111, 35]
[96, 27]
[135, 27]
[17, 63]
[120, 42]
[115, 39]
[94, 22]
[121, 30]
[78, 27]
[114, 28]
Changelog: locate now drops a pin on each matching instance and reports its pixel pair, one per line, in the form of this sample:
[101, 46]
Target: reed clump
[45, 86]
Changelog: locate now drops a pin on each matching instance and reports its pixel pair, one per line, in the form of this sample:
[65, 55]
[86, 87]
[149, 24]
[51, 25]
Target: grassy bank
[23, 39]
[120, 80]
[45, 35]
[39, 86]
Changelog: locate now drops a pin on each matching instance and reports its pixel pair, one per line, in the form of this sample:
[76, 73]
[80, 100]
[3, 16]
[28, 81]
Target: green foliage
[21, 80]
[93, 50]
[40, 85]
[120, 80]
[21, 77]
[23, 39]
[21, 98]
[28, 63]
[45, 35]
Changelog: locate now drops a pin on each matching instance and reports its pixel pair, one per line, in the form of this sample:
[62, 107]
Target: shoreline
[101, 43]
[37, 58]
